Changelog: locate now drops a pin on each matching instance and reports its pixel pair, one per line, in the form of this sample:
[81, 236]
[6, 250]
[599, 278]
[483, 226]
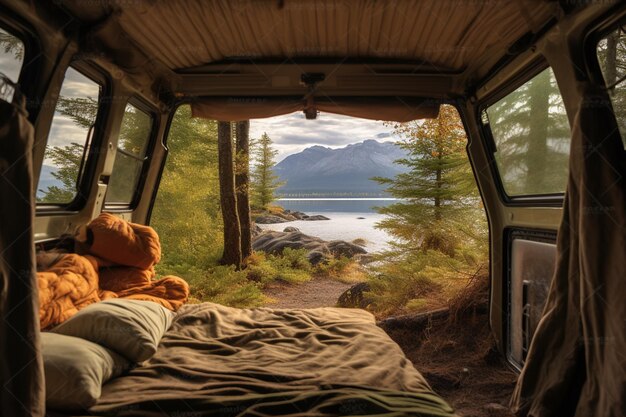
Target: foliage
[439, 223]
[291, 266]
[82, 111]
[219, 284]
[531, 134]
[67, 159]
[439, 206]
[11, 46]
[264, 181]
[187, 203]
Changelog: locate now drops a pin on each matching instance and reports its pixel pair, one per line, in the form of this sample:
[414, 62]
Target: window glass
[74, 116]
[130, 157]
[612, 58]
[11, 55]
[531, 134]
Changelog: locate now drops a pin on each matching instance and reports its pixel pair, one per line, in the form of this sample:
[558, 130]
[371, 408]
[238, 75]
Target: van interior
[541, 90]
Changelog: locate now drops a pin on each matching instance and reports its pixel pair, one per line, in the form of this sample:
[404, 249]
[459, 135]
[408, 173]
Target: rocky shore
[287, 216]
[317, 249]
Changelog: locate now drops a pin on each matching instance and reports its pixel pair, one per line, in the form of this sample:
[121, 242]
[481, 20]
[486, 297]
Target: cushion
[75, 370]
[131, 328]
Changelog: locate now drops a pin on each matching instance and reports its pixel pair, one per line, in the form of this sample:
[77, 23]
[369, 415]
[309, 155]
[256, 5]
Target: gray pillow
[131, 328]
[75, 370]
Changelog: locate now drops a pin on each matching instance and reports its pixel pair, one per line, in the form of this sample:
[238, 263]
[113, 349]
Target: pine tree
[264, 181]
[438, 190]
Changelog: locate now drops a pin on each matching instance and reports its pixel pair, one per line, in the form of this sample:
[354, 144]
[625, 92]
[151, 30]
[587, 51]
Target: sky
[292, 133]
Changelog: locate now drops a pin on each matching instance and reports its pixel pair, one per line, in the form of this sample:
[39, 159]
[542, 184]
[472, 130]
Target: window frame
[515, 82]
[153, 113]
[103, 80]
[590, 45]
[31, 64]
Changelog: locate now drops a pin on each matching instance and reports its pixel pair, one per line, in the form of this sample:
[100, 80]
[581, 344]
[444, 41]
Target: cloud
[292, 133]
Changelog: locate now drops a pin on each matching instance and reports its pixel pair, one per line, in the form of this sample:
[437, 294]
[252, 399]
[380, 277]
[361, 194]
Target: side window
[531, 135]
[131, 156]
[66, 150]
[611, 52]
[11, 60]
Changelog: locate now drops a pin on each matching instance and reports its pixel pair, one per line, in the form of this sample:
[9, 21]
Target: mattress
[221, 361]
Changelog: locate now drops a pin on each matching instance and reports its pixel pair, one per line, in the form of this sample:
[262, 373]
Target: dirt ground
[319, 292]
[453, 349]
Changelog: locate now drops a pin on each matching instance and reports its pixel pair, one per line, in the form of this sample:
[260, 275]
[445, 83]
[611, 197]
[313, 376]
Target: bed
[221, 361]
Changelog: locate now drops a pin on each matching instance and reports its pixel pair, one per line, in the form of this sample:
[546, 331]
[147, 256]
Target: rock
[353, 297]
[270, 219]
[297, 214]
[314, 217]
[360, 218]
[290, 229]
[343, 248]
[318, 250]
[316, 257]
[255, 230]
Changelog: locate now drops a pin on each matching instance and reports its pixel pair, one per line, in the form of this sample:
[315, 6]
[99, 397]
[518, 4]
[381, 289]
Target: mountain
[324, 171]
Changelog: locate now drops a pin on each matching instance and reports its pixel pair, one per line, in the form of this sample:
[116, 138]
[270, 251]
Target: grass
[422, 282]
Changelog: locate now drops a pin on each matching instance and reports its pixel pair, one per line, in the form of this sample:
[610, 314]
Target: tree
[67, 158]
[531, 130]
[265, 182]
[228, 197]
[186, 212]
[242, 185]
[438, 189]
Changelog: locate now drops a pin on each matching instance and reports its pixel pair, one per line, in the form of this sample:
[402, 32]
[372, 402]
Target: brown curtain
[576, 364]
[21, 372]
[394, 109]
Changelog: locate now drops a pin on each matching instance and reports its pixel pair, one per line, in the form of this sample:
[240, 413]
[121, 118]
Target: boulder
[318, 250]
[343, 248]
[314, 217]
[270, 219]
[354, 296]
[290, 229]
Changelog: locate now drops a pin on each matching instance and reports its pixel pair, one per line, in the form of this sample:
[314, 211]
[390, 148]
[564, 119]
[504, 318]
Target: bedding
[116, 260]
[216, 360]
[131, 328]
[75, 370]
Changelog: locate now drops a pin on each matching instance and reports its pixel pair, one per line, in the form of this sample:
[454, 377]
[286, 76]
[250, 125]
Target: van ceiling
[436, 38]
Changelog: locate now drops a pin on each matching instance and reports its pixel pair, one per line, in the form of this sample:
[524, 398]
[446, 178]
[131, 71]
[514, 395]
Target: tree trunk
[228, 199]
[242, 186]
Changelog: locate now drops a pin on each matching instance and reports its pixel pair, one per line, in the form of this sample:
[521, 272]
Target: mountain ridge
[319, 170]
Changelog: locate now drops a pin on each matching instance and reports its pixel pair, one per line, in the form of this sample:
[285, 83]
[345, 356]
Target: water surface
[350, 218]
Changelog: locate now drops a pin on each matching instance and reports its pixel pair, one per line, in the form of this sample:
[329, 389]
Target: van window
[74, 118]
[130, 158]
[611, 53]
[531, 136]
[11, 55]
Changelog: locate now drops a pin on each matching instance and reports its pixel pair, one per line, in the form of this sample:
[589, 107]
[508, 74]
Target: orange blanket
[118, 262]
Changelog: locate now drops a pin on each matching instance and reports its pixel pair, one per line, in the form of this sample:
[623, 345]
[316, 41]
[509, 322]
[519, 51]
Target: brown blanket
[216, 360]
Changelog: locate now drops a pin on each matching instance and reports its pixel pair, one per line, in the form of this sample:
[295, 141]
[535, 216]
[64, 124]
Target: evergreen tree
[264, 181]
[532, 135]
[438, 190]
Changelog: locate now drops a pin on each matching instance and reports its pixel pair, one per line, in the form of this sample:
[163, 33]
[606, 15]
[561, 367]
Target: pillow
[131, 328]
[75, 370]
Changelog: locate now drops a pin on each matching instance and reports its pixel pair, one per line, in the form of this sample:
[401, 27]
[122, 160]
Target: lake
[350, 218]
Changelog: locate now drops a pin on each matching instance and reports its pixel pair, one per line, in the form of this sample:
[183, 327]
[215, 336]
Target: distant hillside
[323, 171]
